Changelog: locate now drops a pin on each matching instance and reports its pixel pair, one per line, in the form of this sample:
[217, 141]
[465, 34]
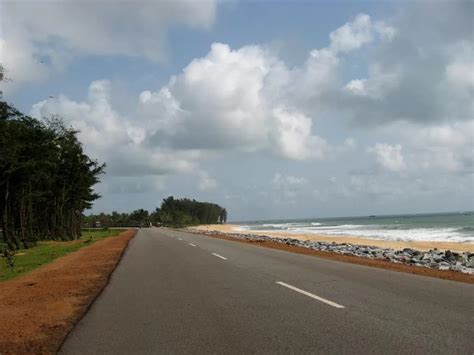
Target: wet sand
[418, 245]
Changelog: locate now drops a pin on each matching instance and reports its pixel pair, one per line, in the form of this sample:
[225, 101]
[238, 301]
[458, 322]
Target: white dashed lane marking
[219, 256]
[306, 293]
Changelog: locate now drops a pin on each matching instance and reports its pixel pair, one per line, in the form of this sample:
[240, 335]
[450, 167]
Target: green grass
[45, 252]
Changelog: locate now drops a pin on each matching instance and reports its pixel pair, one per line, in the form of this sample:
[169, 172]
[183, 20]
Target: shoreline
[418, 245]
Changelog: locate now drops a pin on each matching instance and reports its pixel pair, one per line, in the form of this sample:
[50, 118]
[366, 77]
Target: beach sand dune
[418, 245]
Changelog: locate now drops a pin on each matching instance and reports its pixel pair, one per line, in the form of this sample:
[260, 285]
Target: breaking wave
[394, 229]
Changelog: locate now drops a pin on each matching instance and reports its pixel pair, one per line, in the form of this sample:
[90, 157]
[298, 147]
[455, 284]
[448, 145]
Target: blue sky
[273, 109]
[302, 26]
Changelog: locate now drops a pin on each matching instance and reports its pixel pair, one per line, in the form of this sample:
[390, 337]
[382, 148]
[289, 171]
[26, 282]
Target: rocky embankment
[434, 259]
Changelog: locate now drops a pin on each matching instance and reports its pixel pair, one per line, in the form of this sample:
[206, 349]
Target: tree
[139, 216]
[46, 180]
[172, 212]
[223, 216]
[184, 212]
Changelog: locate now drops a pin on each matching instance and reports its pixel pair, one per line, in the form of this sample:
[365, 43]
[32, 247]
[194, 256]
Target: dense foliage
[137, 218]
[172, 213]
[185, 212]
[46, 179]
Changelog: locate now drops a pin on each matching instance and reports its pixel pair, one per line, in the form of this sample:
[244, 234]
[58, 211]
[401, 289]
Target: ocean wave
[343, 226]
[413, 234]
[245, 228]
[388, 232]
[282, 225]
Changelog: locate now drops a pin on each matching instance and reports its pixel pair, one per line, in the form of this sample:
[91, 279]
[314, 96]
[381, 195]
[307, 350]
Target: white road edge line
[219, 256]
[180, 239]
[193, 245]
[331, 303]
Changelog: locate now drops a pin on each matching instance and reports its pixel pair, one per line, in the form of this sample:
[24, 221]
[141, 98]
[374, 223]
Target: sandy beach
[418, 245]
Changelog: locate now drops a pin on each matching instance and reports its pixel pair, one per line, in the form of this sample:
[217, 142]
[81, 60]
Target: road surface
[176, 292]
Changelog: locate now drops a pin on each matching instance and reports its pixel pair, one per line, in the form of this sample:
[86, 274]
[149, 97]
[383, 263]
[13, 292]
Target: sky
[273, 109]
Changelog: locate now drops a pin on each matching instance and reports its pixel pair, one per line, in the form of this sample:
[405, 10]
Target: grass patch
[45, 252]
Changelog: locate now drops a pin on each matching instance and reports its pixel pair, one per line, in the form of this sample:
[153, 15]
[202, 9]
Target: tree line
[46, 179]
[172, 213]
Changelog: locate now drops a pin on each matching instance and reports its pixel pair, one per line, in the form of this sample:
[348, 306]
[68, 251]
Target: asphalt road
[176, 292]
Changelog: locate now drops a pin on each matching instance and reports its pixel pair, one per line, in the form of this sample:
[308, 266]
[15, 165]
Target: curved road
[176, 292]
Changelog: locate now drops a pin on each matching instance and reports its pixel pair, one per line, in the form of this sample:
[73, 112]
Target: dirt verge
[39, 309]
[447, 275]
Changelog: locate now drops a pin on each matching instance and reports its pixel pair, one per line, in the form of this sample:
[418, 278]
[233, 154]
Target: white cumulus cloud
[424, 73]
[359, 32]
[229, 99]
[112, 137]
[38, 36]
[389, 156]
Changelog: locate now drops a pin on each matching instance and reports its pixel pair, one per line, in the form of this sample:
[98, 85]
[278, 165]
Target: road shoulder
[39, 309]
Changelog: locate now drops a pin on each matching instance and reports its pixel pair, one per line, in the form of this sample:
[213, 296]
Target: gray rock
[467, 270]
[456, 267]
[424, 261]
[427, 256]
[434, 258]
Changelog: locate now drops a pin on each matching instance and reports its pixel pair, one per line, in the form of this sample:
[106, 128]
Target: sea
[455, 227]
